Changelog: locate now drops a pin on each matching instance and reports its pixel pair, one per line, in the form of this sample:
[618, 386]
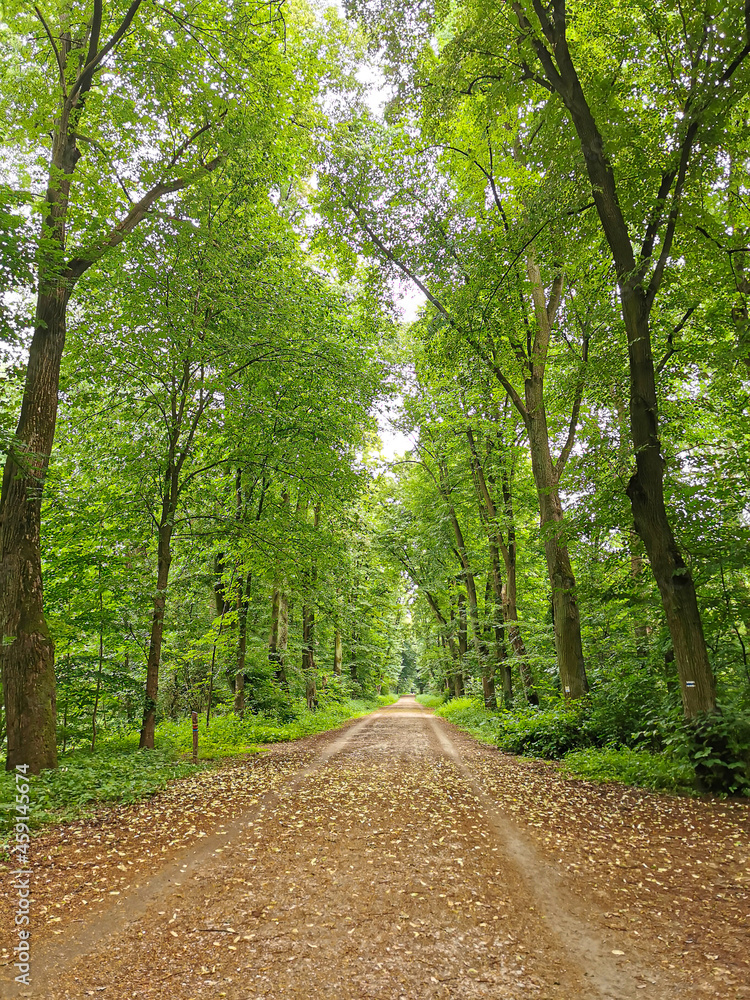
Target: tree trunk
[568, 644]
[101, 662]
[458, 681]
[485, 666]
[308, 627]
[28, 654]
[239, 677]
[463, 635]
[164, 560]
[279, 636]
[646, 493]
[308, 655]
[353, 662]
[338, 653]
[461, 648]
[505, 593]
[493, 603]
[646, 487]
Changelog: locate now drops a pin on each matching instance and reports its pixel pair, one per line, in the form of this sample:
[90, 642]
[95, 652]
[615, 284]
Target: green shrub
[633, 767]
[718, 746]
[550, 733]
[471, 715]
[628, 710]
[387, 699]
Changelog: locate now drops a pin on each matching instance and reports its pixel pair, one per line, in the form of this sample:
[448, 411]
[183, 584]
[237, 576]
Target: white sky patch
[394, 442]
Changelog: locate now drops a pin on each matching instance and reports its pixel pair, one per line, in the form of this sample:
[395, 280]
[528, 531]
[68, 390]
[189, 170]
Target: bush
[387, 699]
[471, 715]
[550, 733]
[718, 746]
[628, 710]
[633, 767]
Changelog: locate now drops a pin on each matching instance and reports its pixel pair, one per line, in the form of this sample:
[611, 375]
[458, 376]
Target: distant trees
[567, 122]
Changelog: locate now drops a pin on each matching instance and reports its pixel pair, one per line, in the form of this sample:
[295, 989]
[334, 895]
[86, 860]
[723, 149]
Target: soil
[395, 858]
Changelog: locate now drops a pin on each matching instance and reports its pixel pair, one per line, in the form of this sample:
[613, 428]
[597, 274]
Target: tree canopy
[209, 217]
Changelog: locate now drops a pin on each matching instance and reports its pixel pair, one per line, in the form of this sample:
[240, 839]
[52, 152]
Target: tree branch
[658, 274]
[670, 339]
[58, 57]
[84, 258]
[83, 83]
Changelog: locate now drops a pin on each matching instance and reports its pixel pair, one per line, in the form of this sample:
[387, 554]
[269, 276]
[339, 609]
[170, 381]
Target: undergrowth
[430, 700]
[595, 742]
[117, 772]
[632, 767]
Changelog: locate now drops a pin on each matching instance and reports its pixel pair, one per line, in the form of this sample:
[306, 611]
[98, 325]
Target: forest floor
[393, 858]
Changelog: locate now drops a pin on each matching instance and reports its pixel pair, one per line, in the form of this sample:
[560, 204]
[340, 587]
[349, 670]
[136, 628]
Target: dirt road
[371, 862]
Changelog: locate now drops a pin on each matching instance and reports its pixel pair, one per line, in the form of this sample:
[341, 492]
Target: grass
[631, 767]
[430, 700]
[117, 772]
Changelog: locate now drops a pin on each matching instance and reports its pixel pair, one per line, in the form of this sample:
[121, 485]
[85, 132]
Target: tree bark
[338, 653]
[646, 493]
[164, 561]
[28, 652]
[277, 642]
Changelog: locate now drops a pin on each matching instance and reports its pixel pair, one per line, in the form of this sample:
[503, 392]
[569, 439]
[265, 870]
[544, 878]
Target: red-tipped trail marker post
[195, 737]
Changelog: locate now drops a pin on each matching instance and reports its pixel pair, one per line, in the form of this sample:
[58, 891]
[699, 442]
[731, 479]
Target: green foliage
[387, 699]
[431, 700]
[632, 767]
[597, 738]
[228, 735]
[550, 733]
[471, 715]
[113, 773]
[718, 746]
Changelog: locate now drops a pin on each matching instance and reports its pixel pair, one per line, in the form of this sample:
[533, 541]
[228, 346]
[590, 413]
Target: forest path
[377, 865]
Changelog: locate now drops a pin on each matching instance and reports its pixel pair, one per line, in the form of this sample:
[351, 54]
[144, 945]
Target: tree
[93, 82]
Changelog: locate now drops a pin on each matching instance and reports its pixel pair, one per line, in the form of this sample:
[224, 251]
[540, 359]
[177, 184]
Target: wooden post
[195, 737]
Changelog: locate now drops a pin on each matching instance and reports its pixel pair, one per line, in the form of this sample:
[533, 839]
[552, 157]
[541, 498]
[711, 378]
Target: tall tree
[102, 85]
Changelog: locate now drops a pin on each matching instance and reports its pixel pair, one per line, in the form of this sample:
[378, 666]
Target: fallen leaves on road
[670, 872]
